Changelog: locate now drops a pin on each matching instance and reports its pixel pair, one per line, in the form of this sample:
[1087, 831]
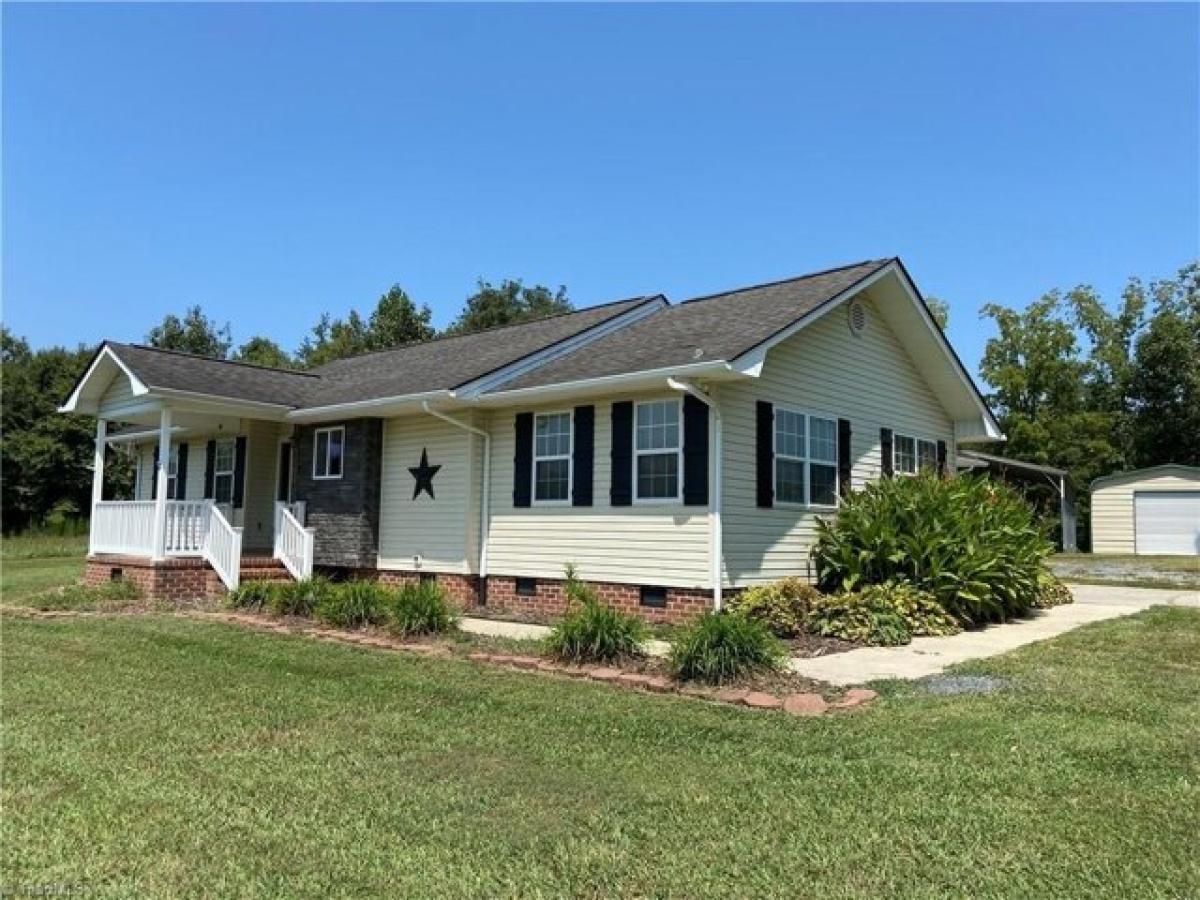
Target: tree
[47, 456]
[397, 321]
[940, 310]
[507, 304]
[334, 339]
[194, 333]
[263, 351]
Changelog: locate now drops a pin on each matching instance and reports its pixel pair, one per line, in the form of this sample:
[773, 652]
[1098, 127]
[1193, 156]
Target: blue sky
[273, 162]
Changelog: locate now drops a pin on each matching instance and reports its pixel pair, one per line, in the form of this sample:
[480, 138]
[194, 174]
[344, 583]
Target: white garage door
[1167, 522]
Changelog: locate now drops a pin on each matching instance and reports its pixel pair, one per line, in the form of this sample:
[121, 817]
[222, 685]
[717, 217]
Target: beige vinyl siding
[827, 371]
[1113, 527]
[642, 544]
[442, 531]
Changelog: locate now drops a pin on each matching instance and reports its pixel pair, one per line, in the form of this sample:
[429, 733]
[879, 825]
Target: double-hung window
[657, 450]
[805, 459]
[552, 457]
[224, 464]
[329, 446]
[910, 455]
[173, 472]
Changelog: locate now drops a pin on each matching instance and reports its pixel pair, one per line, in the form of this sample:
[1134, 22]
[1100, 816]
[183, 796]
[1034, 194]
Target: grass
[162, 756]
[1128, 570]
[30, 565]
[1190, 564]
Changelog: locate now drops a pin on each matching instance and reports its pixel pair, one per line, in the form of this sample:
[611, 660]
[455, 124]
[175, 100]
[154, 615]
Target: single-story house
[1147, 511]
[672, 452]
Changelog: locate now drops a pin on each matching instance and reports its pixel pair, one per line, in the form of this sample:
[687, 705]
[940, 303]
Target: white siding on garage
[1113, 520]
[826, 370]
[661, 545]
[443, 530]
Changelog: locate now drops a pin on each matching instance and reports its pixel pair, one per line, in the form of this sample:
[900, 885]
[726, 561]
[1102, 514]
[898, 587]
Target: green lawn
[30, 565]
[161, 756]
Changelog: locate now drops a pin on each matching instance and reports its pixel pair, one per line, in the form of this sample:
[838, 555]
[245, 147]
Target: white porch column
[160, 481]
[97, 477]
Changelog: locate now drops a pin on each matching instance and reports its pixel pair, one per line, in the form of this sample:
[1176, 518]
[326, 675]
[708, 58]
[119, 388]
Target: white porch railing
[223, 548]
[192, 528]
[123, 527]
[293, 543]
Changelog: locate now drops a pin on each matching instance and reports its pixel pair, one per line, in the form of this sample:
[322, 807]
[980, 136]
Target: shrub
[353, 604]
[859, 618]
[591, 631]
[420, 608]
[254, 596]
[1052, 592]
[922, 614]
[298, 598]
[974, 544]
[782, 605]
[721, 646]
[109, 596]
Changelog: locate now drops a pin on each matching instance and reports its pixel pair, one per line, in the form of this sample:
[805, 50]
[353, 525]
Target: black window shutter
[210, 464]
[181, 474]
[239, 473]
[843, 456]
[154, 476]
[885, 451]
[621, 456]
[941, 457]
[523, 461]
[583, 455]
[764, 453]
[695, 451]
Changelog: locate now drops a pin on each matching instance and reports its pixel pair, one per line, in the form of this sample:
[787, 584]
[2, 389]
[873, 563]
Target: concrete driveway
[930, 655]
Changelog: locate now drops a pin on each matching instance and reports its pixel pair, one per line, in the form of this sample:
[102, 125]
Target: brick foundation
[549, 600]
[177, 580]
[462, 589]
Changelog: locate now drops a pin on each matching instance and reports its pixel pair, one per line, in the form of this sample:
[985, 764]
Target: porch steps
[263, 567]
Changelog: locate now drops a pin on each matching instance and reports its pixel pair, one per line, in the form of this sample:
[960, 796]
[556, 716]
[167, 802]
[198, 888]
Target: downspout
[715, 538]
[484, 503]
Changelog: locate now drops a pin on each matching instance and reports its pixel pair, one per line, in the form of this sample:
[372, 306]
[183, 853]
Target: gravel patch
[964, 684]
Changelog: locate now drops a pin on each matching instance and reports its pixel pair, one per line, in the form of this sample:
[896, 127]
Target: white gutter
[484, 504]
[715, 537]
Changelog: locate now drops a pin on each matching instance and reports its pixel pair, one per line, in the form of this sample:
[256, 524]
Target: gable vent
[856, 313]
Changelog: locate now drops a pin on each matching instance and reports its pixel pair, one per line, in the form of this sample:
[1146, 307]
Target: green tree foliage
[263, 351]
[1094, 391]
[940, 310]
[508, 303]
[395, 321]
[194, 333]
[47, 457]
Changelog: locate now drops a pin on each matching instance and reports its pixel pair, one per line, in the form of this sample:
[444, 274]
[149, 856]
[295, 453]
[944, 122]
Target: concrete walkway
[930, 655]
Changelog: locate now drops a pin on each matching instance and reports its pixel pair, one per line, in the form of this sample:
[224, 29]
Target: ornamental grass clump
[720, 647]
[593, 632]
[973, 543]
[298, 598]
[353, 604]
[781, 605]
[252, 596]
[419, 608]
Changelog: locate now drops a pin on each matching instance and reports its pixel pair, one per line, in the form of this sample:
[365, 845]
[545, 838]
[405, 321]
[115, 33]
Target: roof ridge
[753, 287]
[643, 298]
[234, 362]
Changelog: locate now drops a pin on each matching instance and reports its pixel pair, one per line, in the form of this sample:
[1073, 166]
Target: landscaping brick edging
[797, 704]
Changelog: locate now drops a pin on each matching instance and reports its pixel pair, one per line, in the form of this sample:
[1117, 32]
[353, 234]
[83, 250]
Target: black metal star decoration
[424, 475]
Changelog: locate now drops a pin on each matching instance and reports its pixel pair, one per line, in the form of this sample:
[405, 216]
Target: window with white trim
[910, 455]
[552, 457]
[173, 472]
[657, 450]
[224, 463]
[805, 459]
[329, 447]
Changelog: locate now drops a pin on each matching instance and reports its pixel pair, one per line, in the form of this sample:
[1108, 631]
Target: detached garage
[1150, 512]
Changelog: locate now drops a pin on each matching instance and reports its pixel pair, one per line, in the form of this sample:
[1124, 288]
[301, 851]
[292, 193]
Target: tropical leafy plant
[419, 608]
[971, 542]
[1052, 592]
[719, 647]
[860, 618]
[591, 631]
[782, 605]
